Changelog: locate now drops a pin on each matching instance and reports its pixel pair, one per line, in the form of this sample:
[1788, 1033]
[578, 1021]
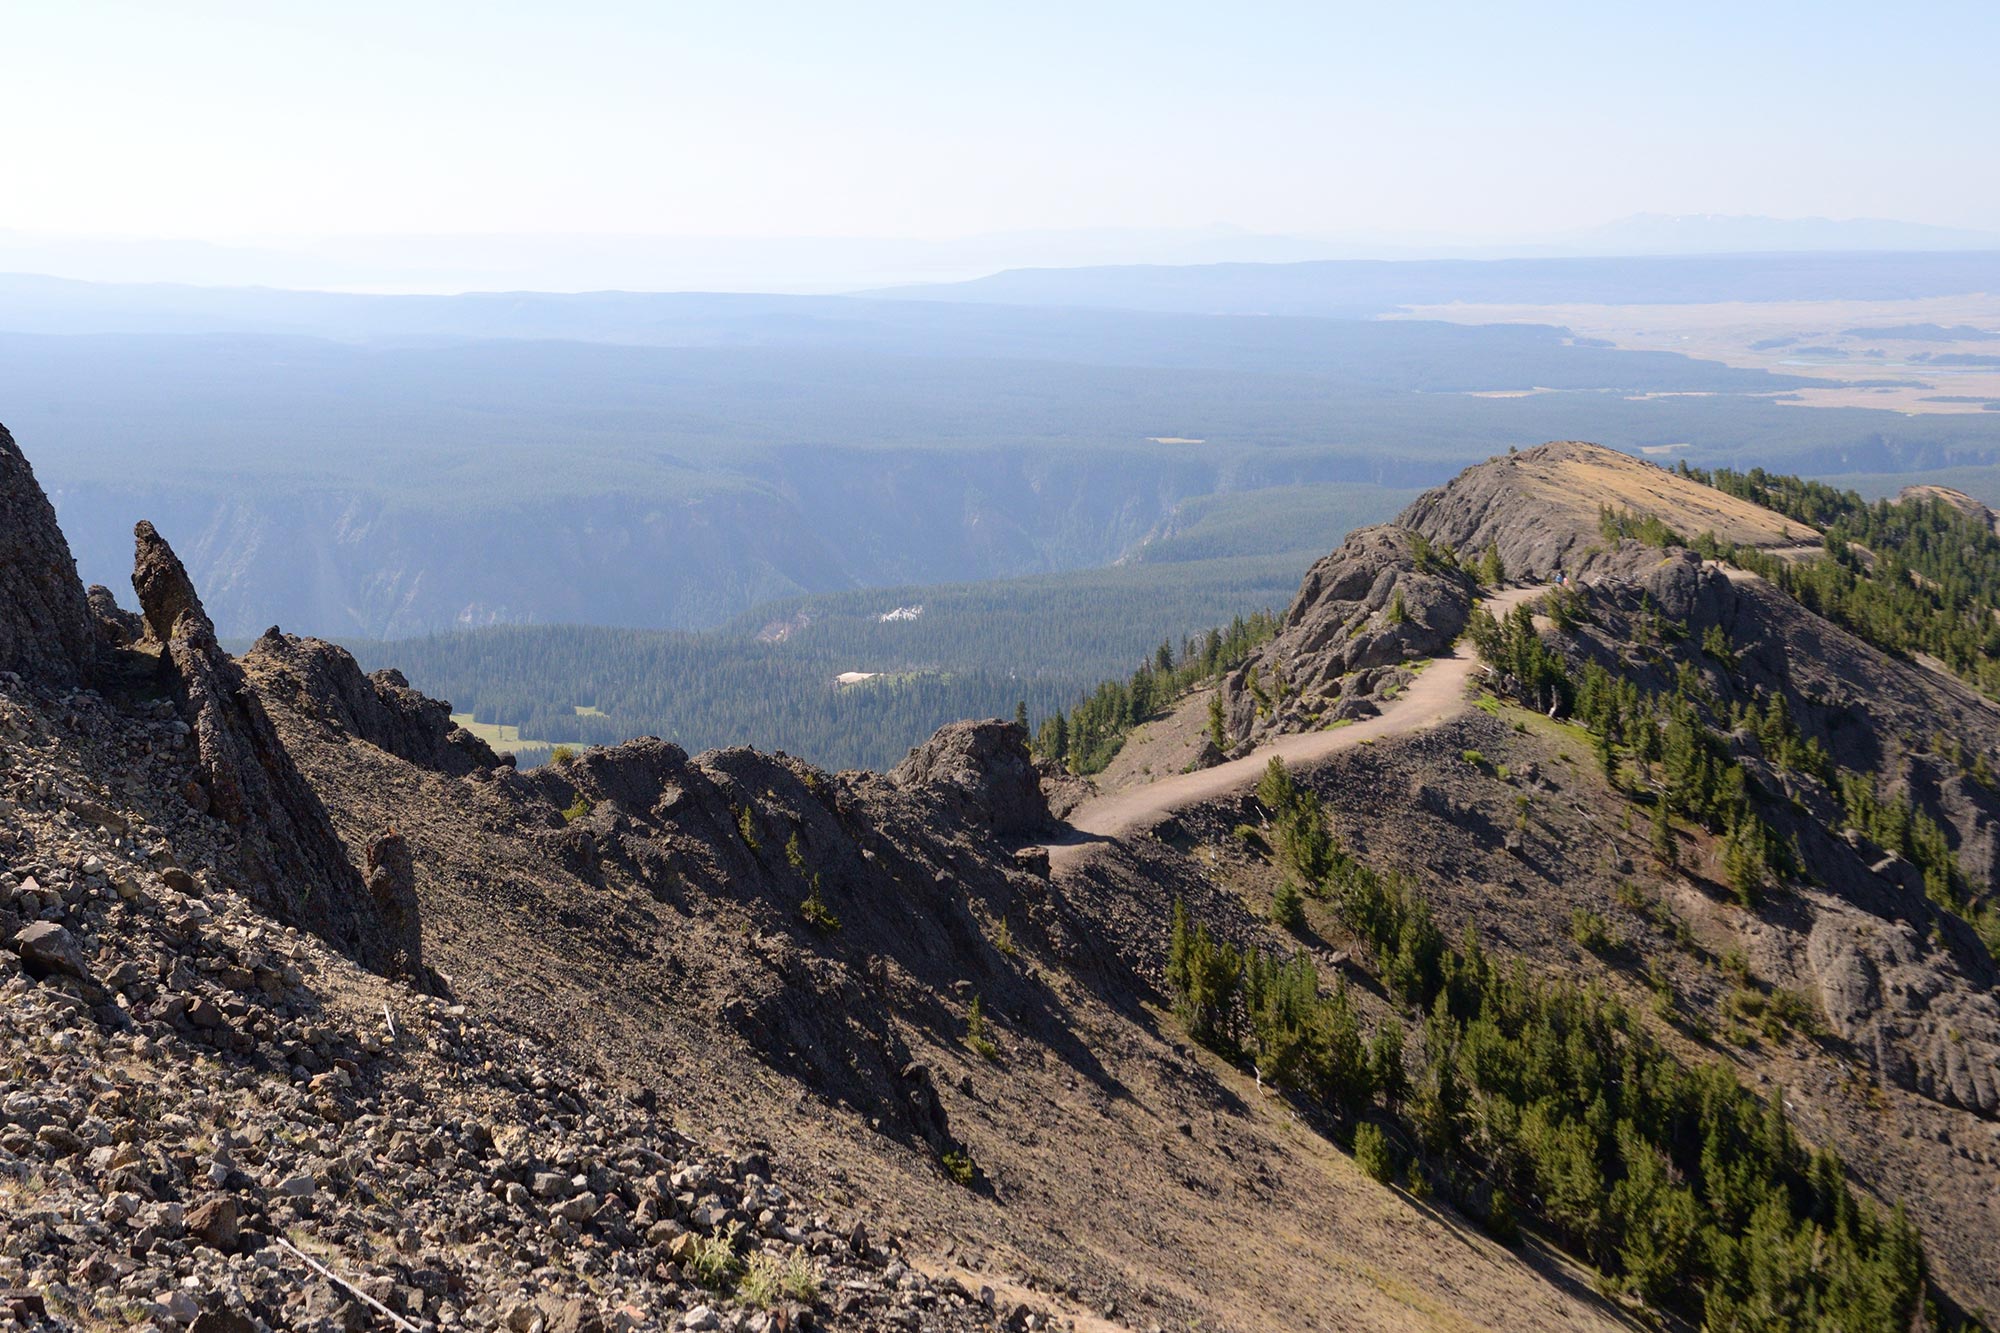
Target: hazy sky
[234, 120]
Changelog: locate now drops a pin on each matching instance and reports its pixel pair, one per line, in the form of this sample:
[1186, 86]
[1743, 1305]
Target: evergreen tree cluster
[1618, 524]
[1684, 765]
[1929, 580]
[1550, 1100]
[1089, 736]
[1897, 825]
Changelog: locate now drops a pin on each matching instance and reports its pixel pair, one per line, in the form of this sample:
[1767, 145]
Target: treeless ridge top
[1575, 478]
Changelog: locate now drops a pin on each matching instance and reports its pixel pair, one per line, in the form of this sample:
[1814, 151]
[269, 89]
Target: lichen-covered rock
[984, 772]
[47, 634]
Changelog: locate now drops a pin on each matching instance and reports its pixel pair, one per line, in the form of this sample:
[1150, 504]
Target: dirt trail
[1437, 693]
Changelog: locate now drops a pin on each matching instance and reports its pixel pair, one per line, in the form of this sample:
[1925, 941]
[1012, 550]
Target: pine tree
[1288, 907]
[1492, 572]
[1663, 833]
[1218, 726]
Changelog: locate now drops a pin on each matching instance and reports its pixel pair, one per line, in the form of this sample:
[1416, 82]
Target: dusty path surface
[1437, 693]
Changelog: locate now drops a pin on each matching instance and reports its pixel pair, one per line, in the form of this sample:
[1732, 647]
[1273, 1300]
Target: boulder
[215, 1222]
[49, 950]
[983, 772]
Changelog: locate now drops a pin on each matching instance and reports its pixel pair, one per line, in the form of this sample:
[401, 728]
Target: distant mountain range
[1357, 289]
[810, 264]
[1719, 233]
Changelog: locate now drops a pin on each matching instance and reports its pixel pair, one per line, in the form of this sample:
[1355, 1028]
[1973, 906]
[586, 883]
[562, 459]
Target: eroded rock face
[1360, 613]
[382, 709]
[47, 634]
[294, 862]
[984, 772]
[1906, 1009]
[116, 627]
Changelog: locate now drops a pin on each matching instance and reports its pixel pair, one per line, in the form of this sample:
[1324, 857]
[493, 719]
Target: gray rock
[48, 949]
[982, 770]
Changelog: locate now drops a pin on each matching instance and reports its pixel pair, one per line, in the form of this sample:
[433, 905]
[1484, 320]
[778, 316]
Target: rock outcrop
[1907, 1009]
[293, 861]
[1959, 500]
[47, 634]
[325, 682]
[982, 771]
[1359, 615]
[116, 627]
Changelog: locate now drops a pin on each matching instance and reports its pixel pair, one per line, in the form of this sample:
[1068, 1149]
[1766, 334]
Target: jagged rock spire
[46, 631]
[295, 861]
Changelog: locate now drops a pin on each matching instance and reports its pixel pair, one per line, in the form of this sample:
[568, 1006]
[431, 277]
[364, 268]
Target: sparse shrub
[1593, 931]
[1371, 1153]
[1250, 836]
[1003, 939]
[1397, 614]
[746, 827]
[712, 1262]
[767, 1280]
[578, 808]
[562, 754]
[1474, 757]
[958, 1164]
[975, 1031]
[816, 913]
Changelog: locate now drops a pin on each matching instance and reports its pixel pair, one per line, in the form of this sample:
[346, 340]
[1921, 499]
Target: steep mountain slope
[651, 1024]
[633, 987]
[1827, 930]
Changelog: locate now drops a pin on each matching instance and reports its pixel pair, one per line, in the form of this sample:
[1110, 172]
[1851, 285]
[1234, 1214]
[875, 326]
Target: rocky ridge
[218, 1117]
[1361, 615]
[625, 949]
[46, 630]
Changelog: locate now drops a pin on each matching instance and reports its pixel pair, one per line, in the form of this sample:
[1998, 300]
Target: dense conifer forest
[1910, 576]
[936, 654]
